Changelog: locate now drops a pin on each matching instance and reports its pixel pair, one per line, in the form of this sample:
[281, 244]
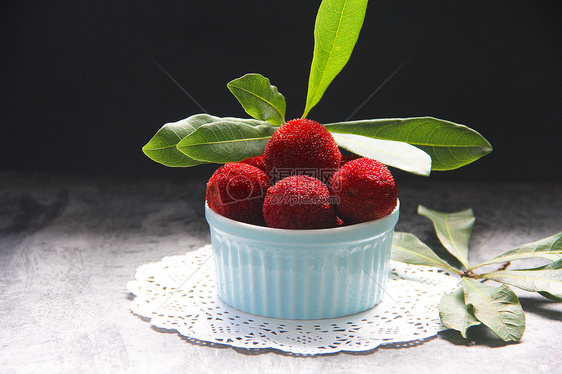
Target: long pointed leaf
[455, 314]
[225, 141]
[550, 296]
[336, 31]
[450, 145]
[162, 147]
[396, 154]
[453, 230]
[259, 98]
[409, 249]
[556, 265]
[549, 248]
[549, 281]
[496, 307]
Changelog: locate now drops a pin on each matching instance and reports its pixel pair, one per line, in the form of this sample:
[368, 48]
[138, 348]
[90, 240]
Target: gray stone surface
[68, 247]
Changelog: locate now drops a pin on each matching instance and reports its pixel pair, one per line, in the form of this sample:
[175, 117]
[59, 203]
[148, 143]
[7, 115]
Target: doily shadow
[262, 351]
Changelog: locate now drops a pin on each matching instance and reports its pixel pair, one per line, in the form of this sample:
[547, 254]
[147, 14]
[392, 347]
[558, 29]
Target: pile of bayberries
[302, 181]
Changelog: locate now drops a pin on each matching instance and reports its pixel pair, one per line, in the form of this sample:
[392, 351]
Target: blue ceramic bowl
[301, 274]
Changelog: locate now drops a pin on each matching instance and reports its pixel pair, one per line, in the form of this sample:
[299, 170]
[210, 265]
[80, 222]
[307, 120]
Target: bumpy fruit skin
[257, 161]
[365, 191]
[302, 146]
[299, 202]
[237, 190]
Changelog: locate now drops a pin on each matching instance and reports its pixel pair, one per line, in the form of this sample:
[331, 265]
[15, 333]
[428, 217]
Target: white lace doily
[178, 293]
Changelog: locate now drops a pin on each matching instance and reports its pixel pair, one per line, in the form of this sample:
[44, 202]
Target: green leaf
[549, 281]
[162, 147]
[226, 141]
[259, 98]
[496, 307]
[549, 248]
[551, 266]
[408, 248]
[450, 145]
[549, 296]
[396, 154]
[453, 230]
[336, 31]
[455, 314]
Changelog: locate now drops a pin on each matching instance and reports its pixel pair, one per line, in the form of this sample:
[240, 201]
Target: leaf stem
[469, 273]
[504, 266]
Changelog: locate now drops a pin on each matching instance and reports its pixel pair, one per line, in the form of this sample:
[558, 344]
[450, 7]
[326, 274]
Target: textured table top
[69, 245]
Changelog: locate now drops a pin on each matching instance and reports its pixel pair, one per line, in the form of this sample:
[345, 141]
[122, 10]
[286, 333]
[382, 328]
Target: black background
[82, 91]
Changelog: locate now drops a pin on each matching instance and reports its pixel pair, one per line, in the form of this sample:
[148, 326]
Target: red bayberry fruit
[256, 161]
[299, 202]
[364, 189]
[302, 146]
[237, 190]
